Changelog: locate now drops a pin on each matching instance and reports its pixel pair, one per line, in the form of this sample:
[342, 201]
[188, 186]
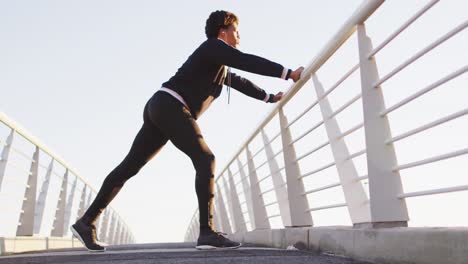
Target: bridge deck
[179, 253]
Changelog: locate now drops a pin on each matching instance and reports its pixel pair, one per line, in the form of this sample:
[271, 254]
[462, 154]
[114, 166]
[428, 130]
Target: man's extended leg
[147, 143]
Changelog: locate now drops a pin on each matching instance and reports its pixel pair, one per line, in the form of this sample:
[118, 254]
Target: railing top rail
[349, 27]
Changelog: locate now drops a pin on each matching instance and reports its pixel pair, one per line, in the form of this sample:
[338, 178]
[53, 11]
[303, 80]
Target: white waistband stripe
[175, 95]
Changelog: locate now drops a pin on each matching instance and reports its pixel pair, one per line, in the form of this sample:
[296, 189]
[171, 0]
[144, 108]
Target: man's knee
[205, 162]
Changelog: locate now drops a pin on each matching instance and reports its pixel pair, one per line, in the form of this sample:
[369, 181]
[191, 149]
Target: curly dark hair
[217, 20]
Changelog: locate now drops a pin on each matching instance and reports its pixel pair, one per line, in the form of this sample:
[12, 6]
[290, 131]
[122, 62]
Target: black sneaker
[87, 235]
[215, 240]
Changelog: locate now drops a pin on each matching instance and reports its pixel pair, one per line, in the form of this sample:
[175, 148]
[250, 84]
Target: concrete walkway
[172, 253]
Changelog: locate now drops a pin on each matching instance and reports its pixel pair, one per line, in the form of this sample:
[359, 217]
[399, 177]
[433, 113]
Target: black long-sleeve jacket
[200, 79]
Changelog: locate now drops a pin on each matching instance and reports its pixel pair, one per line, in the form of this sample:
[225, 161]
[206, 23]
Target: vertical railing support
[259, 213]
[41, 200]
[298, 203]
[81, 206]
[247, 192]
[26, 220]
[222, 212]
[104, 226]
[59, 220]
[5, 154]
[117, 232]
[112, 229]
[69, 206]
[234, 205]
[355, 196]
[384, 184]
[278, 183]
[216, 222]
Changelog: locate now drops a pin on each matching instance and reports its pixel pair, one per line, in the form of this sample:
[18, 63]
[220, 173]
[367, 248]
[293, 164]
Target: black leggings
[165, 119]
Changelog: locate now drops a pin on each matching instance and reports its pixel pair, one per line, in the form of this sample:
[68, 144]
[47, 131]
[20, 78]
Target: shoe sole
[75, 233]
[209, 247]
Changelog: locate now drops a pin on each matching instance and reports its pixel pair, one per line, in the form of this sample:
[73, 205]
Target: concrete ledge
[13, 245]
[400, 245]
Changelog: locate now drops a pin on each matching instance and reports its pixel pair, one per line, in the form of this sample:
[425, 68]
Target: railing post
[59, 220]
[247, 192]
[104, 225]
[355, 196]
[117, 232]
[234, 204]
[111, 235]
[222, 212]
[298, 203]
[217, 223]
[69, 206]
[41, 200]
[26, 220]
[81, 209]
[384, 183]
[278, 183]
[5, 153]
[259, 214]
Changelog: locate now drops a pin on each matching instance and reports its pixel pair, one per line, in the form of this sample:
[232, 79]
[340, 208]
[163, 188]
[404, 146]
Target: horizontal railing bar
[303, 113]
[238, 171]
[422, 52]
[26, 156]
[44, 166]
[340, 81]
[18, 167]
[307, 132]
[273, 216]
[431, 160]
[268, 143]
[272, 189]
[402, 27]
[326, 207]
[267, 176]
[265, 162]
[272, 203]
[312, 151]
[436, 191]
[364, 177]
[347, 74]
[241, 180]
[267, 191]
[276, 154]
[359, 153]
[318, 170]
[342, 108]
[322, 188]
[261, 165]
[351, 130]
[428, 126]
[425, 90]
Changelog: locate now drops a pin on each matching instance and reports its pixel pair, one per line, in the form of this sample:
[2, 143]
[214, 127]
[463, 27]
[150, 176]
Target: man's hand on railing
[277, 97]
[296, 75]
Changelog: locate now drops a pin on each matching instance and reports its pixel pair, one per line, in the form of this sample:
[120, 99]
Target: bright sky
[77, 74]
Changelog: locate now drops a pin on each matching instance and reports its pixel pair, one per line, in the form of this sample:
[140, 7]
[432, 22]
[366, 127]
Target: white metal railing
[281, 184]
[43, 200]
